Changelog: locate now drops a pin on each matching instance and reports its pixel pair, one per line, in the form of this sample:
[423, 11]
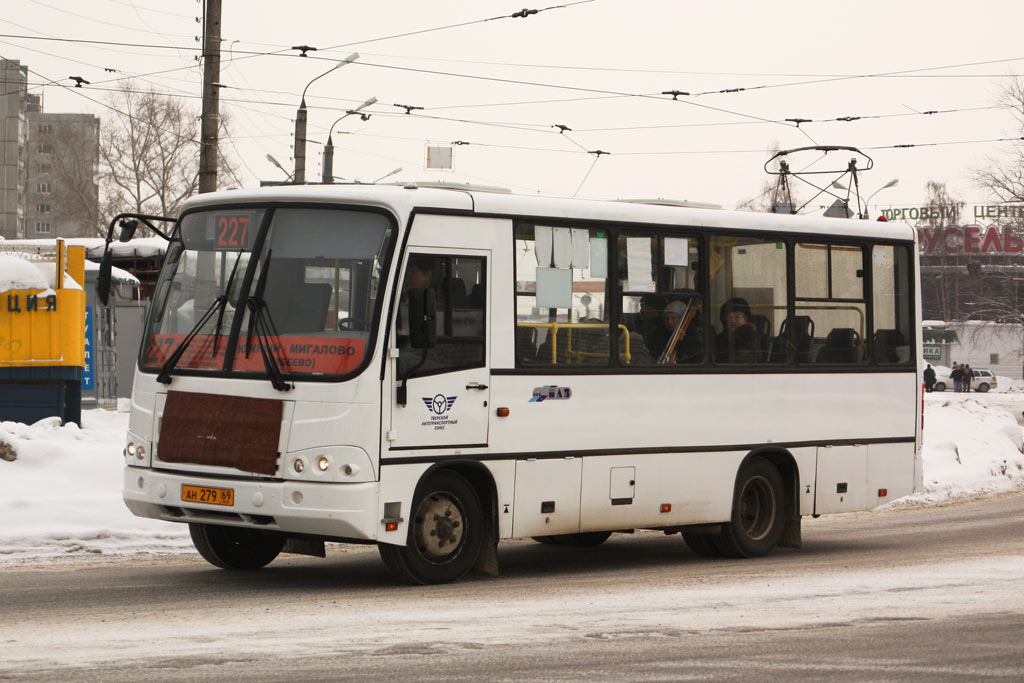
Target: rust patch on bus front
[224, 431]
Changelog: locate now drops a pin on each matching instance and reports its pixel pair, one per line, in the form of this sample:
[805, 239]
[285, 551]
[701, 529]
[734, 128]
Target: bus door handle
[476, 385]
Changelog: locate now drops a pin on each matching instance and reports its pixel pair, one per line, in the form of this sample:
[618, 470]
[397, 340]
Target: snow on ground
[60, 497]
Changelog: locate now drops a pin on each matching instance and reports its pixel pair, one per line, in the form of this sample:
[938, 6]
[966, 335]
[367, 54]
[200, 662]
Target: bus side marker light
[390, 526]
[882, 493]
[666, 507]
[503, 412]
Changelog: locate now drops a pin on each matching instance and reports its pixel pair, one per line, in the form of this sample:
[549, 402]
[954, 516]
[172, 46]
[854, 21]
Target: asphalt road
[934, 593]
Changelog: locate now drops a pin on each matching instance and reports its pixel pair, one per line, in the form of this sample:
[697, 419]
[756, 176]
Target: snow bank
[970, 449]
[19, 273]
[61, 495]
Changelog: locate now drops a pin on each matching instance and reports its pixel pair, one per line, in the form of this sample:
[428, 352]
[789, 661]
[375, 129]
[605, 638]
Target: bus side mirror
[103, 278]
[422, 318]
[128, 228]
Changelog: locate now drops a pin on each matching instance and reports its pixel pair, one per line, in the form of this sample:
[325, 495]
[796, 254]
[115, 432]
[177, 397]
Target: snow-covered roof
[143, 247]
[117, 275]
[17, 272]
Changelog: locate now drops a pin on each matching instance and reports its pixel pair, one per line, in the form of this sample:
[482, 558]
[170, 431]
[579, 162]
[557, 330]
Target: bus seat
[459, 296]
[305, 309]
[526, 345]
[841, 346]
[764, 330]
[477, 295]
[804, 338]
[884, 348]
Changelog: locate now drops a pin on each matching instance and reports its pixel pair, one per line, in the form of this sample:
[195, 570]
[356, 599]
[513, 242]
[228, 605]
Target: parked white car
[983, 381]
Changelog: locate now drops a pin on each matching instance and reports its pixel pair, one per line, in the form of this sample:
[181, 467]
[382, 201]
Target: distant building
[48, 187]
[13, 141]
[61, 188]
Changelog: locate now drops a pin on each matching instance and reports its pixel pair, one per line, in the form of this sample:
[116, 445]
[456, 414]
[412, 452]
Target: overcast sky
[597, 67]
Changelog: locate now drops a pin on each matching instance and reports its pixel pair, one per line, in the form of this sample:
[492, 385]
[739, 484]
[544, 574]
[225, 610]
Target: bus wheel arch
[785, 463]
[760, 506]
[451, 530]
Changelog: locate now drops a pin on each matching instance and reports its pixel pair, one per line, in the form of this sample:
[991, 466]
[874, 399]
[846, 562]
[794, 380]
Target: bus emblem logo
[551, 392]
[440, 404]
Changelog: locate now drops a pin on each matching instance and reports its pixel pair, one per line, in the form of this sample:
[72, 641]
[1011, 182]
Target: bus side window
[893, 309]
[461, 320]
[748, 300]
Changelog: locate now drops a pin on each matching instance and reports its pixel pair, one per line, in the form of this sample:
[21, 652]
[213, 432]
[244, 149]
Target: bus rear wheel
[445, 533]
[235, 548]
[758, 512]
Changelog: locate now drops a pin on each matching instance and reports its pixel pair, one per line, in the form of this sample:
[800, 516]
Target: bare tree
[150, 153]
[1004, 176]
[773, 192]
[74, 163]
[941, 300]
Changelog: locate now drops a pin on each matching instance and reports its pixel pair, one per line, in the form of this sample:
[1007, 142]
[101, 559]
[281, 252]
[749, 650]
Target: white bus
[434, 370]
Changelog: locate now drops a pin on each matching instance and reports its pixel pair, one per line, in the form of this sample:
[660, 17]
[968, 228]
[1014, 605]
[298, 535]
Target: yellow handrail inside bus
[554, 327]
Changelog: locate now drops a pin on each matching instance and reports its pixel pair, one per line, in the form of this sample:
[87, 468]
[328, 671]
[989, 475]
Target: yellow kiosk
[42, 337]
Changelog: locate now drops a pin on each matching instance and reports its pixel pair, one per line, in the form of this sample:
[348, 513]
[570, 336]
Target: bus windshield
[294, 291]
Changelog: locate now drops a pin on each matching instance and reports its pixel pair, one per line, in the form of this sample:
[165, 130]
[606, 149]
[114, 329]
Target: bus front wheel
[758, 512]
[445, 533]
[234, 548]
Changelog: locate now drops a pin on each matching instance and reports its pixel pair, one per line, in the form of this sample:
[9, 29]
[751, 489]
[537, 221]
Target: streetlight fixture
[327, 176]
[867, 205]
[299, 177]
[277, 163]
[387, 175]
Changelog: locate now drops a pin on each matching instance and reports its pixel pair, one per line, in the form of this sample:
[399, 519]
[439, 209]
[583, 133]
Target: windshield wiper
[261, 324]
[227, 293]
[165, 370]
[218, 306]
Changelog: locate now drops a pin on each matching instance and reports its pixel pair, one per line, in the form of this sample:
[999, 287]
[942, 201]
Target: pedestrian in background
[955, 376]
[966, 375]
[929, 378]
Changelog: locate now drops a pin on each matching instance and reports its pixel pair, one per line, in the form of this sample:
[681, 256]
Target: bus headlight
[323, 463]
[298, 465]
[130, 448]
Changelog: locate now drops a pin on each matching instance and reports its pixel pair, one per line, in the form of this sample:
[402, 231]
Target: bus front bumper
[341, 511]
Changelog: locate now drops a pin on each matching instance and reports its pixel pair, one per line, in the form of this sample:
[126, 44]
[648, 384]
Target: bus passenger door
[446, 387]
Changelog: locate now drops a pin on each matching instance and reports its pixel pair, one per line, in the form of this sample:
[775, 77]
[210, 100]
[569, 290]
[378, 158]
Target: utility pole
[299, 176]
[209, 128]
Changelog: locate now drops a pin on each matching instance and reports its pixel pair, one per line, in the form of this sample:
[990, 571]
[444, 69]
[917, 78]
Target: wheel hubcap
[440, 527]
[757, 508]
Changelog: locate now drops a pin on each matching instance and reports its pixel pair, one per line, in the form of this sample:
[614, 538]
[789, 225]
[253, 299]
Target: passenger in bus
[738, 341]
[418, 275]
[687, 348]
[651, 324]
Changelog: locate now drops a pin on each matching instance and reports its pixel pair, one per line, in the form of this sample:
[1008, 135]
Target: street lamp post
[275, 162]
[299, 177]
[327, 176]
[867, 205]
[387, 175]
